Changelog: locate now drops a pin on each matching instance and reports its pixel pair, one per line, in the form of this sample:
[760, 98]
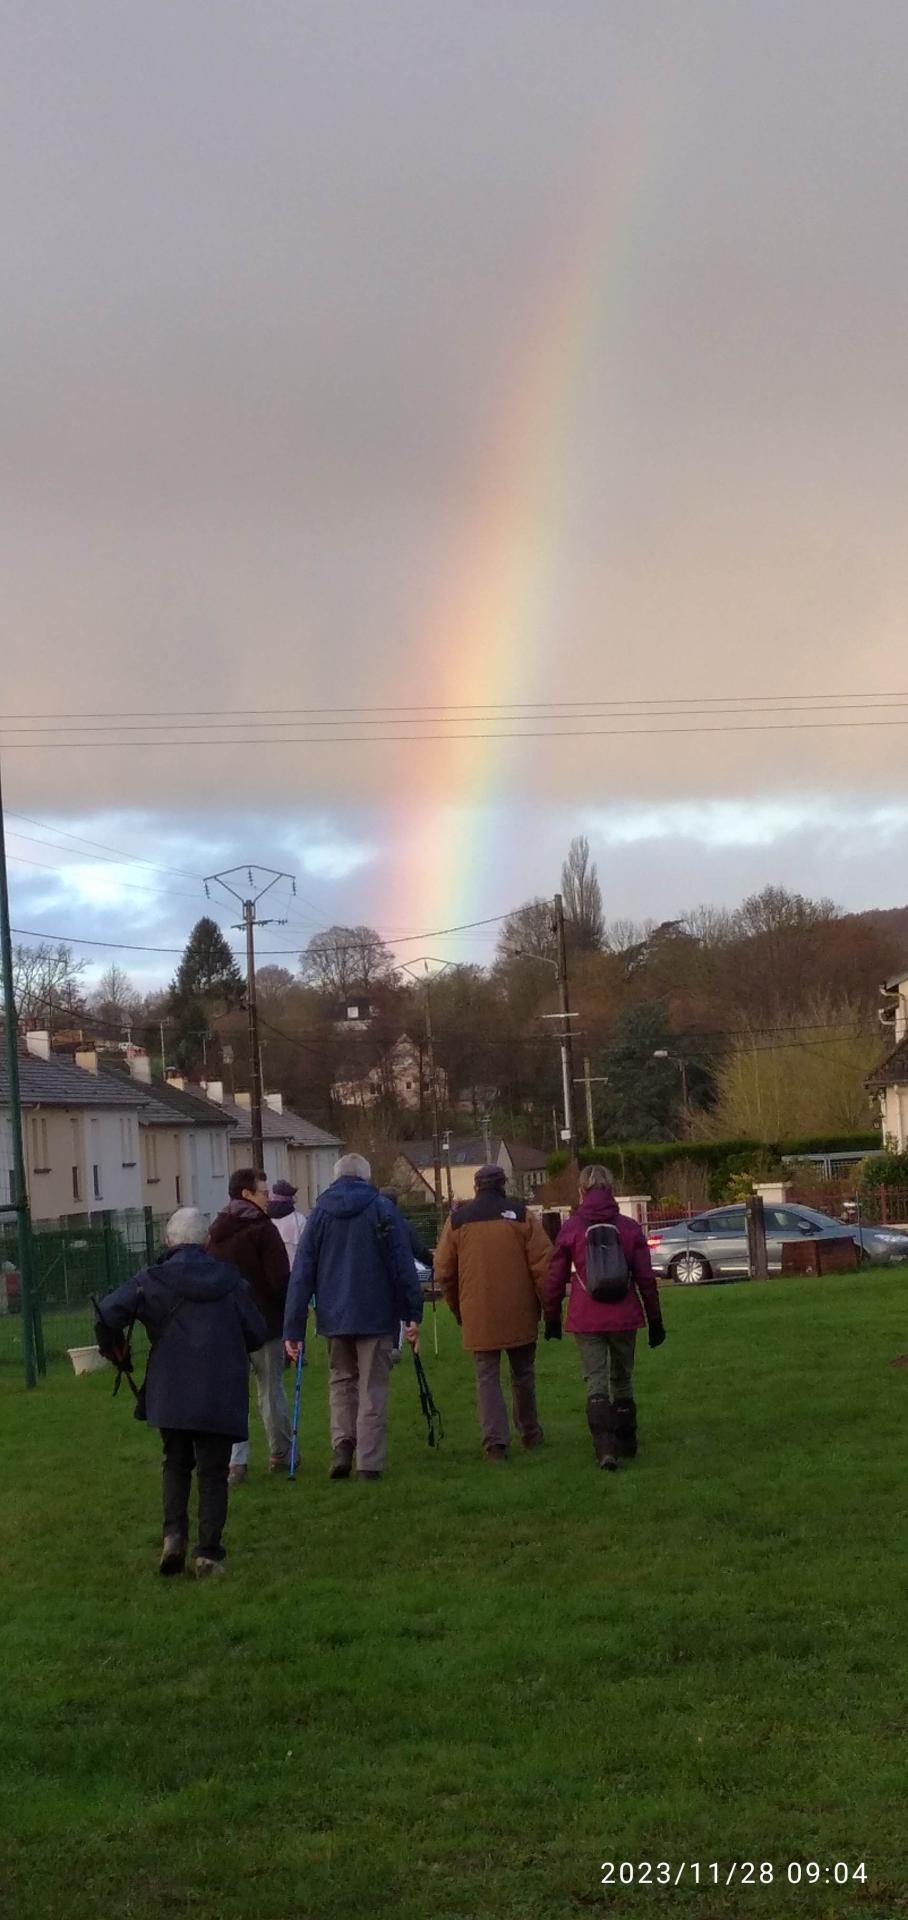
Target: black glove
[656, 1333]
[553, 1329]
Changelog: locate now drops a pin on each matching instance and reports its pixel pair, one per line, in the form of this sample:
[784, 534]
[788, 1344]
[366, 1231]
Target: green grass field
[458, 1692]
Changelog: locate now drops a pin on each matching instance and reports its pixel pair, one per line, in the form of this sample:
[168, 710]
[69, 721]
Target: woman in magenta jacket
[606, 1333]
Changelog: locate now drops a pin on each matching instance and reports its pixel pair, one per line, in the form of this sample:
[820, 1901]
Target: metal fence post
[111, 1276]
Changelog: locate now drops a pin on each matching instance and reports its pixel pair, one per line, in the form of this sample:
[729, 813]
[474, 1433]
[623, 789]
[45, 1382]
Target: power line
[574, 734]
[467, 706]
[133, 859]
[595, 709]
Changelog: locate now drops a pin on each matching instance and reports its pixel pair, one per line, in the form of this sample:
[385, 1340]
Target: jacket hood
[226, 1225]
[279, 1209]
[348, 1197]
[599, 1204]
[191, 1272]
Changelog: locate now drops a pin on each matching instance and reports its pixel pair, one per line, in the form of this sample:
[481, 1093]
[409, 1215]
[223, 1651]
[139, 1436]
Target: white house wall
[206, 1169]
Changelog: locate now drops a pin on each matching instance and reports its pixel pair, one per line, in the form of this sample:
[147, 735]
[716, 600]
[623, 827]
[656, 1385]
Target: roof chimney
[275, 1101]
[38, 1044]
[176, 1080]
[243, 1100]
[87, 1059]
[215, 1091]
[139, 1065]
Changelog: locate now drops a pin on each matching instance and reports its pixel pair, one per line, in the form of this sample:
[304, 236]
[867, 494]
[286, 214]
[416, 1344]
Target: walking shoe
[173, 1554]
[365, 1474]
[624, 1414]
[203, 1566]
[236, 1476]
[343, 1461]
[600, 1423]
[533, 1440]
[279, 1463]
[496, 1453]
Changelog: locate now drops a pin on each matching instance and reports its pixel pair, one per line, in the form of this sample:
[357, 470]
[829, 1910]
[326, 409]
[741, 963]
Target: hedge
[636, 1163]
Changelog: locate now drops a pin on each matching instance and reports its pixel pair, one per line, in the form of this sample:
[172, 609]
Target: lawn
[456, 1693]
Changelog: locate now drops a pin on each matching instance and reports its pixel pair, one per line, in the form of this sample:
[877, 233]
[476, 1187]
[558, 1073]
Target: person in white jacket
[286, 1216]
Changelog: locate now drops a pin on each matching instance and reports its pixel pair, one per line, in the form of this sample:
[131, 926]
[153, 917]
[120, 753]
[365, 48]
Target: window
[127, 1148]
[731, 1221]
[151, 1154]
[77, 1184]
[96, 1182]
[217, 1155]
[40, 1161]
[179, 1191]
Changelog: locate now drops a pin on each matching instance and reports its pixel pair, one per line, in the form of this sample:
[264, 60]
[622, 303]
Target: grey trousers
[268, 1367]
[607, 1360]
[493, 1414]
[359, 1375]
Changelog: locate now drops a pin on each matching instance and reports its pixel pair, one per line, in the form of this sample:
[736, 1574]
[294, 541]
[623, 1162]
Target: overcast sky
[491, 350]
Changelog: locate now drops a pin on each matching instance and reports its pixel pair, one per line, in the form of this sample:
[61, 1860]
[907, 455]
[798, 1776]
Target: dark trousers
[493, 1414]
[209, 1454]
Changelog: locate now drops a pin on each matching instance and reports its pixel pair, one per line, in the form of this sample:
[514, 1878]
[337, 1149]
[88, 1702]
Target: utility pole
[588, 1086]
[567, 1051]
[31, 1328]
[248, 925]
[433, 1090]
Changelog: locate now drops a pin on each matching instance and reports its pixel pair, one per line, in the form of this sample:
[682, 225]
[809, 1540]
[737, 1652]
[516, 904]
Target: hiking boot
[366, 1474]
[496, 1453]
[343, 1461]
[624, 1415]
[173, 1554]
[533, 1440]
[203, 1566]
[599, 1421]
[279, 1463]
[237, 1475]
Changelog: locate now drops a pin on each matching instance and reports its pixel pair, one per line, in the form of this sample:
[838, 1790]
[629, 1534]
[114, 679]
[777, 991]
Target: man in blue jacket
[354, 1258]
[202, 1324]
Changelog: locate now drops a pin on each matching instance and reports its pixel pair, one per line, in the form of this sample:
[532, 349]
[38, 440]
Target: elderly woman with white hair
[202, 1325]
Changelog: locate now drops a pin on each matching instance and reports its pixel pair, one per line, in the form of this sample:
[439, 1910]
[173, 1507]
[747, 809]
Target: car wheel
[689, 1269]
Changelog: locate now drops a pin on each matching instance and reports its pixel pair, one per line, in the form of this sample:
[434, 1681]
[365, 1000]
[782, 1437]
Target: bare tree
[346, 959]
[528, 932]
[46, 980]
[115, 1002]
[582, 896]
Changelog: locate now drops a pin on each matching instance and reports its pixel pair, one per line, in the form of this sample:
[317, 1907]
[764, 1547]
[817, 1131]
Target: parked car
[713, 1245]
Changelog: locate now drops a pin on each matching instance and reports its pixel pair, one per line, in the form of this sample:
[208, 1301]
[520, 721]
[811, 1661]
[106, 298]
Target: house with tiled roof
[80, 1134]
[294, 1149]
[414, 1170]
[184, 1142]
[890, 1079]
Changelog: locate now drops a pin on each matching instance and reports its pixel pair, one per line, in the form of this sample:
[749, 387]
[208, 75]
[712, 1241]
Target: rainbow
[494, 629]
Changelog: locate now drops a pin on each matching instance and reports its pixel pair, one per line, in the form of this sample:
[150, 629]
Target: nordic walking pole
[294, 1438]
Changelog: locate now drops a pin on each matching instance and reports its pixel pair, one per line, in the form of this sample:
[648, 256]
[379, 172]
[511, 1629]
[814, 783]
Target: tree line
[756, 1020]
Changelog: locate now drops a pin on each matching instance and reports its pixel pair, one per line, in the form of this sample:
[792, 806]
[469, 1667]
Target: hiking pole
[294, 1438]
[431, 1415]
[120, 1356]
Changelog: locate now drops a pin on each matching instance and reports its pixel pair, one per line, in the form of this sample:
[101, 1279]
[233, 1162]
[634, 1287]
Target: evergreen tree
[207, 983]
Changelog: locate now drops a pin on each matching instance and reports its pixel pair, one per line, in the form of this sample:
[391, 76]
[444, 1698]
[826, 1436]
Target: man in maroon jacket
[606, 1332]
[243, 1235]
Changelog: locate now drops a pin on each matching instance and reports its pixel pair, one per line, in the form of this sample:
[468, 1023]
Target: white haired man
[202, 1325]
[354, 1260]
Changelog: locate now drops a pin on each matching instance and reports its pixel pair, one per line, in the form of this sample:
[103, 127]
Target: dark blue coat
[355, 1258]
[203, 1325]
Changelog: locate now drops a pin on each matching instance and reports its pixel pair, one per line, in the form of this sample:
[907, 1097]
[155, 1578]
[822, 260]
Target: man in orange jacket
[491, 1263]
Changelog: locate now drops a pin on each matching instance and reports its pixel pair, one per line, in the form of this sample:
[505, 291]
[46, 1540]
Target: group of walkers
[238, 1293]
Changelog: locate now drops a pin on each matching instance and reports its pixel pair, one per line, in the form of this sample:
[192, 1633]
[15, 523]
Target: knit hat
[490, 1176]
[282, 1190]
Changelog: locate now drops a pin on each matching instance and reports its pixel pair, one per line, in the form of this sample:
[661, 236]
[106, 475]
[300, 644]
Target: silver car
[713, 1245]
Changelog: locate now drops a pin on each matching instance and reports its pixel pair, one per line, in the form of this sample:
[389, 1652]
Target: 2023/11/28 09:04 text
[719, 1873]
